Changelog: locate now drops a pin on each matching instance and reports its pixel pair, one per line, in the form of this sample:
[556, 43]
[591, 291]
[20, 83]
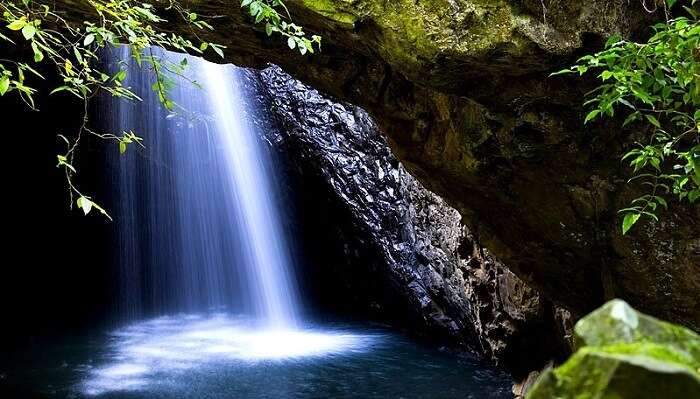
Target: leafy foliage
[658, 84]
[263, 11]
[73, 52]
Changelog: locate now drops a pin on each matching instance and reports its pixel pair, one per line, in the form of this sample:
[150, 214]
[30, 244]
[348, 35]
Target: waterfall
[197, 209]
[249, 168]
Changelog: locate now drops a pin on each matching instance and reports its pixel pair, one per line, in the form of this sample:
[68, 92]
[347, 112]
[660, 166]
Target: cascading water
[269, 261]
[201, 245]
[206, 280]
[198, 214]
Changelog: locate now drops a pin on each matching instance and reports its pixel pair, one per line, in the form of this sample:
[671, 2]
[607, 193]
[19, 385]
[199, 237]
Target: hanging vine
[72, 51]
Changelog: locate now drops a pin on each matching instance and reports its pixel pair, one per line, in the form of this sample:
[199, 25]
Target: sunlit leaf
[85, 204]
[88, 40]
[629, 220]
[17, 24]
[28, 31]
[4, 84]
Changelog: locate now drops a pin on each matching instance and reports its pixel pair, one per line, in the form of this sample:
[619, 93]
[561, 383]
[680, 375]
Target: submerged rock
[626, 354]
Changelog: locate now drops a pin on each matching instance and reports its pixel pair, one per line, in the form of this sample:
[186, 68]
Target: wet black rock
[406, 257]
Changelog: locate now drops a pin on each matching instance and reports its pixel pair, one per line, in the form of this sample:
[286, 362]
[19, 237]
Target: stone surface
[617, 324]
[521, 388]
[603, 375]
[461, 89]
[626, 354]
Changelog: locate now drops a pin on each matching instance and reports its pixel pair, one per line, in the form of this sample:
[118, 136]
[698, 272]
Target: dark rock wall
[404, 251]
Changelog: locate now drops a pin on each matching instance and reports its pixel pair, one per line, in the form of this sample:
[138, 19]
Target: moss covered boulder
[626, 354]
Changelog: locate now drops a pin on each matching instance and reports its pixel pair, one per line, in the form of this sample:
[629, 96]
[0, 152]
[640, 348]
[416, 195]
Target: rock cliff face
[461, 90]
[404, 250]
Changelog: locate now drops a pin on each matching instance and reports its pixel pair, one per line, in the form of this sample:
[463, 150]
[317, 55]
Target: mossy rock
[626, 354]
[619, 328]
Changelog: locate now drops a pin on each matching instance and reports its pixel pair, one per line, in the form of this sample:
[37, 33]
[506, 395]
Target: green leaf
[661, 201]
[78, 56]
[631, 118]
[63, 161]
[28, 31]
[291, 42]
[259, 17]
[4, 84]
[652, 119]
[85, 204]
[627, 103]
[17, 24]
[612, 40]
[562, 72]
[591, 115]
[32, 70]
[102, 211]
[693, 195]
[217, 50]
[38, 55]
[120, 76]
[629, 221]
[122, 147]
[656, 163]
[58, 89]
[88, 39]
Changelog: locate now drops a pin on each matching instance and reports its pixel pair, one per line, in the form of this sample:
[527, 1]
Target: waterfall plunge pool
[224, 356]
[199, 225]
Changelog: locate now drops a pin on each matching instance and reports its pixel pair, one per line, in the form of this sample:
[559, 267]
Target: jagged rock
[403, 236]
[521, 388]
[461, 89]
[626, 354]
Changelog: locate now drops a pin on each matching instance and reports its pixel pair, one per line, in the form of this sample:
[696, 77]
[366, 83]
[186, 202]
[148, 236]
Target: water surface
[221, 356]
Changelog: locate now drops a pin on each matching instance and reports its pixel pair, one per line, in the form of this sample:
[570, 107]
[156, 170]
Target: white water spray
[199, 229]
[198, 212]
[269, 261]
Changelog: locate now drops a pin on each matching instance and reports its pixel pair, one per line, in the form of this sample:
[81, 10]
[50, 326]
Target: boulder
[626, 354]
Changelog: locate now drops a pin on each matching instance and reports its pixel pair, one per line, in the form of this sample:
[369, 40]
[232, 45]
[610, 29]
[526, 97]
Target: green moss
[661, 352]
[626, 354]
[618, 323]
[412, 34]
[593, 373]
[330, 10]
